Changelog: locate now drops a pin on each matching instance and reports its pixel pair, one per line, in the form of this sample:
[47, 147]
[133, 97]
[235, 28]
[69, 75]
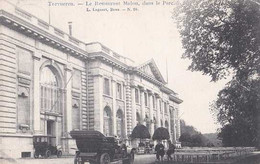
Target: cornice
[109, 60]
[175, 99]
[33, 31]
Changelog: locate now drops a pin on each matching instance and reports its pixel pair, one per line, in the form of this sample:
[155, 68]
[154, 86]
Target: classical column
[163, 114]
[114, 110]
[126, 112]
[178, 130]
[99, 108]
[36, 93]
[169, 117]
[142, 105]
[151, 112]
[133, 106]
[68, 73]
[174, 124]
[158, 113]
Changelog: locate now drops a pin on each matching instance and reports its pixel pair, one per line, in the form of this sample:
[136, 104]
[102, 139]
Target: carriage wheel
[59, 153]
[36, 155]
[47, 154]
[104, 158]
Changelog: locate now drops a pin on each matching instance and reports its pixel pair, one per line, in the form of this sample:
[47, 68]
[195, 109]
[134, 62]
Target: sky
[140, 35]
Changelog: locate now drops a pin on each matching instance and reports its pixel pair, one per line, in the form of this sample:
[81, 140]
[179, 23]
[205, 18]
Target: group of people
[160, 152]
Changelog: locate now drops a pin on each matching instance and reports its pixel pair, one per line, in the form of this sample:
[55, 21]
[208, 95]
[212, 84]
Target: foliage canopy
[222, 38]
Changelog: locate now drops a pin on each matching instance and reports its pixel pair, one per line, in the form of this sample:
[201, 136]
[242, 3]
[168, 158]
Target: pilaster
[142, 105]
[158, 113]
[150, 94]
[174, 125]
[68, 74]
[163, 114]
[133, 107]
[36, 93]
[114, 110]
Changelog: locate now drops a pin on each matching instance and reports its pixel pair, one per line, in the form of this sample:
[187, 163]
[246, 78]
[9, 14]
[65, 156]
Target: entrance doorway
[51, 132]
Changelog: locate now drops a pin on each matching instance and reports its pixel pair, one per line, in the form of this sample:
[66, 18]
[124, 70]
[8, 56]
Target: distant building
[52, 83]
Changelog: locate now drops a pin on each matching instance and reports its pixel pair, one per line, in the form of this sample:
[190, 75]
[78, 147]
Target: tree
[191, 137]
[222, 38]
[141, 132]
[236, 109]
[161, 133]
[187, 128]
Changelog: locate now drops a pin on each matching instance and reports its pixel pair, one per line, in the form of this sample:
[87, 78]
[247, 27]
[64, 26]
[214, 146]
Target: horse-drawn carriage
[95, 148]
[43, 147]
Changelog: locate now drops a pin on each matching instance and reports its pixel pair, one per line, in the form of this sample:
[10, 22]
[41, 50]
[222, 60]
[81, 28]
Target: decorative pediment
[150, 68]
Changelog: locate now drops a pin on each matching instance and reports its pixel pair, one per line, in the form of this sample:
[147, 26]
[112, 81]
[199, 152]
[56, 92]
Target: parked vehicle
[95, 148]
[43, 147]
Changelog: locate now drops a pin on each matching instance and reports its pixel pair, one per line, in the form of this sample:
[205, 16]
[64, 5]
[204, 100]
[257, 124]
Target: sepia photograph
[129, 81]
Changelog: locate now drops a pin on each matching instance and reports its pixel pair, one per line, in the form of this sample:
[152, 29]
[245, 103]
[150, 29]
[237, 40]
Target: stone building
[52, 83]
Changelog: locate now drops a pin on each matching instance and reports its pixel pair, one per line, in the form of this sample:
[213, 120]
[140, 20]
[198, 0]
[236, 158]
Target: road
[139, 159]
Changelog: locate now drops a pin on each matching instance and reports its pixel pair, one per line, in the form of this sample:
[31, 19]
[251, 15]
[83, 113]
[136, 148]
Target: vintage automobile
[95, 148]
[43, 147]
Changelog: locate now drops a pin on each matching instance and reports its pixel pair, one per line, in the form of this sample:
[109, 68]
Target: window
[106, 89]
[23, 110]
[137, 97]
[155, 123]
[51, 95]
[167, 125]
[160, 106]
[145, 99]
[172, 119]
[119, 91]
[165, 108]
[107, 122]
[119, 123]
[76, 79]
[138, 118]
[153, 102]
[75, 114]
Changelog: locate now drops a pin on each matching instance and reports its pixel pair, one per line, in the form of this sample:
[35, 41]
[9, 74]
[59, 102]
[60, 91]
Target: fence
[196, 154]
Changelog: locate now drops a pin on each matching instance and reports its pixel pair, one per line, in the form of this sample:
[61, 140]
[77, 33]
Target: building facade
[52, 83]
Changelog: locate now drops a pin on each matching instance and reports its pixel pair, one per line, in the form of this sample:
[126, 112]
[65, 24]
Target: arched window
[155, 123]
[172, 119]
[147, 122]
[138, 118]
[107, 121]
[51, 95]
[119, 123]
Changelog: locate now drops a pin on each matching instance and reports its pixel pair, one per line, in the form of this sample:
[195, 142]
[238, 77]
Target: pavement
[253, 158]
[139, 159]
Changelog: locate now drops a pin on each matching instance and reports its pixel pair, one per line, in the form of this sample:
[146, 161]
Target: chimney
[70, 28]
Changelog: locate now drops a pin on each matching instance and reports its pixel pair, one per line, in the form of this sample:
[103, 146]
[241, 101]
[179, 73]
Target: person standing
[170, 151]
[159, 148]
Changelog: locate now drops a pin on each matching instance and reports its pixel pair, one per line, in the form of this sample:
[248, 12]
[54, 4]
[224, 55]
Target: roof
[150, 68]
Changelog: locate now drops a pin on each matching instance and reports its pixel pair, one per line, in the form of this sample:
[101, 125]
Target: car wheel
[47, 153]
[104, 158]
[36, 155]
[59, 153]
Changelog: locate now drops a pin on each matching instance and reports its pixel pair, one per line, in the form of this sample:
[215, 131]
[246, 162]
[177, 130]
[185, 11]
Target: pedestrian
[170, 150]
[159, 148]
